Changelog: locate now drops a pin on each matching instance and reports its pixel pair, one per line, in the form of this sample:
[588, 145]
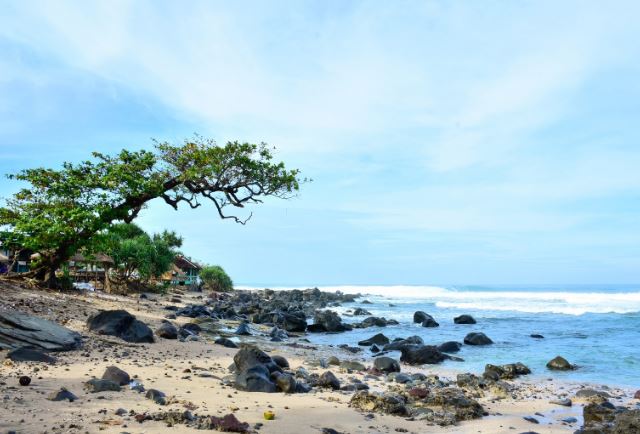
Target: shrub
[215, 278]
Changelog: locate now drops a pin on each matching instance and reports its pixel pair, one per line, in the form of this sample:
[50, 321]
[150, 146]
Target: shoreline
[163, 365]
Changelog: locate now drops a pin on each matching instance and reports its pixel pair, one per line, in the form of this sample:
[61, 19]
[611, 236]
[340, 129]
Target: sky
[448, 142]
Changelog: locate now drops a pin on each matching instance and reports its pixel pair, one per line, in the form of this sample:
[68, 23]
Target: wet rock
[374, 321]
[280, 361]
[95, 385]
[122, 324]
[598, 415]
[386, 364]
[450, 347]
[117, 375]
[536, 336]
[378, 339]
[505, 372]
[167, 331]
[352, 366]
[386, 403]
[464, 319]
[477, 338]
[565, 402]
[627, 422]
[430, 322]
[420, 317]
[361, 312]
[243, 329]
[21, 330]
[397, 344]
[278, 335]
[30, 355]
[421, 354]
[329, 380]
[329, 321]
[374, 349]
[559, 363]
[225, 342]
[570, 420]
[470, 381]
[156, 396]
[61, 395]
[189, 329]
[401, 378]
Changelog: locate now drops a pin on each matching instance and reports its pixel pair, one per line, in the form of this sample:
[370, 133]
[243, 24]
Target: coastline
[163, 366]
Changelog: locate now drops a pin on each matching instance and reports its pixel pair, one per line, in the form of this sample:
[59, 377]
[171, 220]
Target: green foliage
[136, 254]
[215, 278]
[61, 211]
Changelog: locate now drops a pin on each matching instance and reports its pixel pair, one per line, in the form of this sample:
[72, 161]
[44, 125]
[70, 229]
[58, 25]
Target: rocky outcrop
[378, 339]
[375, 321]
[122, 324]
[505, 372]
[21, 330]
[464, 319]
[328, 321]
[422, 354]
[386, 364]
[477, 338]
[450, 347]
[559, 363]
[398, 344]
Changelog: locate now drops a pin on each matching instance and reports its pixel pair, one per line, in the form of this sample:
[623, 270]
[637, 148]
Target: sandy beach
[193, 376]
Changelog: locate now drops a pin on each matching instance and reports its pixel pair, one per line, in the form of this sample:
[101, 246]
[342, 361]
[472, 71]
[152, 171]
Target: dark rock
[598, 415]
[24, 380]
[627, 422]
[120, 412]
[225, 342]
[156, 396]
[329, 380]
[537, 336]
[360, 312]
[122, 324]
[95, 385]
[117, 375]
[20, 330]
[420, 316]
[477, 338]
[505, 372]
[374, 321]
[330, 321]
[352, 366]
[243, 329]
[249, 357]
[278, 335]
[464, 319]
[255, 379]
[386, 364]
[285, 382]
[560, 364]
[637, 395]
[565, 402]
[421, 354]
[167, 331]
[228, 423]
[531, 419]
[365, 301]
[570, 420]
[316, 328]
[374, 349]
[61, 395]
[450, 347]
[397, 344]
[280, 361]
[378, 339]
[430, 322]
[189, 329]
[30, 355]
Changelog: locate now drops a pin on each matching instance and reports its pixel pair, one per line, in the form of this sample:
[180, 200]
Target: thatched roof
[185, 264]
[96, 257]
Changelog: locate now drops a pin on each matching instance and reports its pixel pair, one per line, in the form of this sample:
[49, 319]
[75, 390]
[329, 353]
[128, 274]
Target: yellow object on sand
[269, 415]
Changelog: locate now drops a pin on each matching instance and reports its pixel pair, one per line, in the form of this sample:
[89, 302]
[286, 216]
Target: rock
[464, 319]
[365, 301]
[430, 322]
[397, 344]
[402, 378]
[156, 396]
[280, 361]
[30, 355]
[378, 339]
[255, 379]
[333, 360]
[386, 364]
[228, 423]
[590, 393]
[120, 412]
[505, 372]
[421, 354]
[627, 422]
[455, 404]
[117, 375]
[21, 330]
[477, 338]
[122, 324]
[249, 357]
[285, 382]
[243, 329]
[352, 366]
[278, 335]
[61, 395]
[531, 419]
[95, 385]
[450, 347]
[329, 380]
[330, 321]
[387, 403]
[598, 414]
[469, 381]
[637, 395]
[167, 331]
[565, 402]
[24, 380]
[570, 420]
[537, 336]
[290, 321]
[226, 343]
[560, 364]
[374, 349]
[420, 317]
[361, 312]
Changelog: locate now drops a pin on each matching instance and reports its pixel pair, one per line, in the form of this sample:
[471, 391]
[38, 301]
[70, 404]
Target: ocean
[596, 327]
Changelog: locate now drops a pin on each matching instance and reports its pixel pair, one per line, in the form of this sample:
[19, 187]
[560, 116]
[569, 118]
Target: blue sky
[449, 142]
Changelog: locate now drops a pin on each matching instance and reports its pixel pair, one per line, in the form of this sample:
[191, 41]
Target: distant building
[183, 272]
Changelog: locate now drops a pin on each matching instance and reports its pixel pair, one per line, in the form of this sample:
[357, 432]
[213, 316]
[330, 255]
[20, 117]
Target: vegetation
[138, 256]
[61, 211]
[215, 278]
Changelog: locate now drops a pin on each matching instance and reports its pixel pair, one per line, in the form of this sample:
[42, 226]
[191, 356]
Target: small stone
[24, 380]
[531, 419]
[61, 395]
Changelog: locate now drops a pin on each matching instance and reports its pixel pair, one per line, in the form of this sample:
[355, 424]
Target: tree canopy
[215, 278]
[61, 210]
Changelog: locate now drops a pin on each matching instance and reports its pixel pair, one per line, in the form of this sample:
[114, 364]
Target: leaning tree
[62, 210]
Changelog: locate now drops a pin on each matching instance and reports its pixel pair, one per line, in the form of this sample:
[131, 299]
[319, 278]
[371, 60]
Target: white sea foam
[530, 301]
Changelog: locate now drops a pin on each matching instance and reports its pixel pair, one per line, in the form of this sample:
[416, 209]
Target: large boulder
[420, 317]
[329, 321]
[21, 330]
[292, 321]
[117, 375]
[450, 347]
[464, 319]
[167, 331]
[477, 338]
[329, 380]
[30, 355]
[386, 403]
[559, 363]
[249, 356]
[255, 379]
[397, 344]
[122, 324]
[378, 339]
[386, 364]
[422, 354]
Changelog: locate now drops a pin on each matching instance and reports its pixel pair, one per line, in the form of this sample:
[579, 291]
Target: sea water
[596, 327]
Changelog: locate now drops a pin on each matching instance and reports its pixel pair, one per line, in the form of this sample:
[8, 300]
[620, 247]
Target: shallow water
[595, 327]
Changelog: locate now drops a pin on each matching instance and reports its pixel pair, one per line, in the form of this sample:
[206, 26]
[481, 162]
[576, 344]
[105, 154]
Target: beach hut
[90, 268]
[183, 272]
